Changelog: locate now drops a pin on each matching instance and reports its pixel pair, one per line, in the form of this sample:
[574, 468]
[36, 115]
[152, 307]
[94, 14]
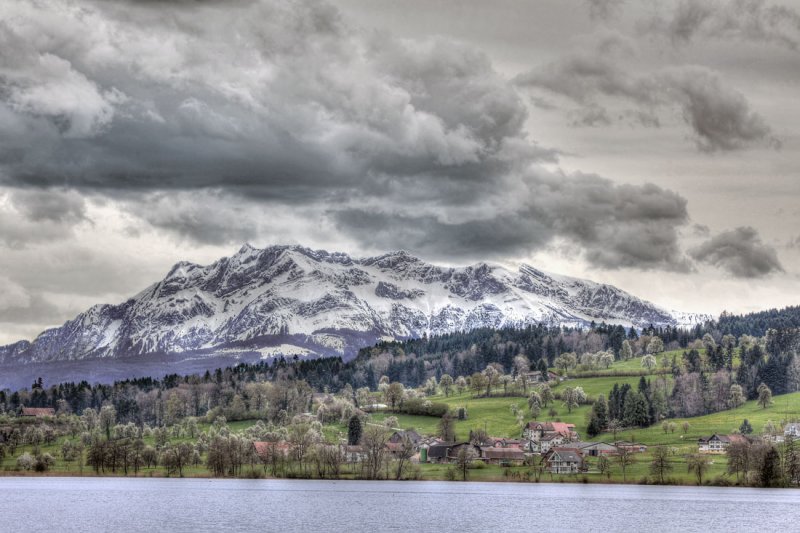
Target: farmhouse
[38, 411]
[438, 452]
[539, 437]
[413, 436]
[792, 430]
[266, 450]
[595, 449]
[537, 377]
[630, 447]
[718, 443]
[505, 443]
[503, 456]
[563, 461]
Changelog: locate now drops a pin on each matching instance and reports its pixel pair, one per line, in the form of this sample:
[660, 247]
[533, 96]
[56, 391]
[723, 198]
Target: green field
[494, 414]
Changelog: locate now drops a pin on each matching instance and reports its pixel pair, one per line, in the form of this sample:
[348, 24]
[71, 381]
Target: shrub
[421, 406]
[44, 462]
[25, 461]
[477, 465]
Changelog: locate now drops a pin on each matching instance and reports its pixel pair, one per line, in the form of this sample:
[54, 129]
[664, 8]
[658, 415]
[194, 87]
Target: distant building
[38, 411]
[503, 456]
[595, 449]
[631, 447]
[537, 377]
[539, 437]
[718, 443]
[563, 461]
[266, 450]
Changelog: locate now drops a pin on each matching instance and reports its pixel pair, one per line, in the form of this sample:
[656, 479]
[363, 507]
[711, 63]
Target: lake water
[195, 505]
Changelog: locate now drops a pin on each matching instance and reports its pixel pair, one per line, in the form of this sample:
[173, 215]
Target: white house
[792, 430]
[563, 461]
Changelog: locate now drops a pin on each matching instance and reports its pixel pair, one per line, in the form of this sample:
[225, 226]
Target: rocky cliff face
[292, 300]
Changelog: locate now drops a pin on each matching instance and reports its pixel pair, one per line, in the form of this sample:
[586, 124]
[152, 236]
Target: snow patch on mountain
[292, 300]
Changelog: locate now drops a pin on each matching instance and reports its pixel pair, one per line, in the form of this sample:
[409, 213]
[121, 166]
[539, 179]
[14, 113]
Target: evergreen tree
[598, 418]
[745, 428]
[354, 431]
[636, 410]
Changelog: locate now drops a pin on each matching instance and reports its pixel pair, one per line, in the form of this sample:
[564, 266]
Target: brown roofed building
[38, 411]
[503, 456]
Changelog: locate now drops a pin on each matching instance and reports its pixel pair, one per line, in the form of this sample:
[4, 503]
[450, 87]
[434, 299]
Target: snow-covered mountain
[292, 300]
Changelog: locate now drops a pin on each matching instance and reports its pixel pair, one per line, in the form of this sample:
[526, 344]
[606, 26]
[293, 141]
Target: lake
[196, 505]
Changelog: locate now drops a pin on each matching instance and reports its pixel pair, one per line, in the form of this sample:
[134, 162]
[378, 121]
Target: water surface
[196, 505]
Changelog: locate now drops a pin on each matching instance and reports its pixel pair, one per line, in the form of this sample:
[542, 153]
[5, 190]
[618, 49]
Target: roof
[505, 443]
[413, 436]
[38, 411]
[550, 427]
[264, 448]
[593, 445]
[503, 453]
[569, 455]
[440, 449]
[626, 444]
[721, 438]
[354, 449]
[552, 436]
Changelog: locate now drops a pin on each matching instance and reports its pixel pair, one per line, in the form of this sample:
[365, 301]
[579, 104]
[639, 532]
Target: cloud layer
[740, 252]
[301, 109]
[595, 79]
[133, 134]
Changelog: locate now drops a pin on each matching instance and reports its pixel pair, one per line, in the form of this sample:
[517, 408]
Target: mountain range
[291, 300]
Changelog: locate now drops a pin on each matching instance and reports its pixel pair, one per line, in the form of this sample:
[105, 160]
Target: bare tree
[625, 458]
[404, 452]
[466, 454]
[699, 465]
[660, 465]
[374, 443]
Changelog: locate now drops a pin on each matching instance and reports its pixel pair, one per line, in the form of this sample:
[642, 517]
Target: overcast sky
[651, 145]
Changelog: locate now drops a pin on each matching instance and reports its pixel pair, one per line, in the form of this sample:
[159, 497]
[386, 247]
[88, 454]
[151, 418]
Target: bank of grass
[784, 408]
[494, 413]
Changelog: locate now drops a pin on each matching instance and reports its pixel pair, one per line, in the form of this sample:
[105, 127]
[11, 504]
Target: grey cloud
[66, 207]
[134, 99]
[720, 117]
[39, 216]
[615, 226]
[739, 20]
[151, 105]
[604, 9]
[208, 218]
[740, 252]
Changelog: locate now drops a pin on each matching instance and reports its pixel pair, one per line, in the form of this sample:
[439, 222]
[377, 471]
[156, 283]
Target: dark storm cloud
[66, 207]
[740, 252]
[615, 226]
[160, 107]
[740, 20]
[720, 117]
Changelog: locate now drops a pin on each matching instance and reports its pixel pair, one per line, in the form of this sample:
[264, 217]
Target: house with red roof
[38, 411]
[539, 437]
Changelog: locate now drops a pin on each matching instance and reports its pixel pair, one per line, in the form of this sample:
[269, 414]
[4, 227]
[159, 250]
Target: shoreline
[68, 475]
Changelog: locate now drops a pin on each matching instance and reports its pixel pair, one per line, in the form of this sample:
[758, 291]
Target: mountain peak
[286, 299]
